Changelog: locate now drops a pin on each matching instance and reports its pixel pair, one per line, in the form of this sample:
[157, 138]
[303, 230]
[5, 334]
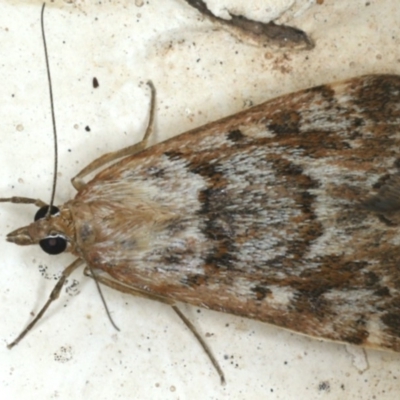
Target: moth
[287, 213]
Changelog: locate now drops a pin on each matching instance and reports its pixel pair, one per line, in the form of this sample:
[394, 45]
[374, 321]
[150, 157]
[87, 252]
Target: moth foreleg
[55, 293]
[23, 200]
[78, 182]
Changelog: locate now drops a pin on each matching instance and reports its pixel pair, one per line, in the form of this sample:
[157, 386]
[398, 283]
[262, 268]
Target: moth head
[51, 232]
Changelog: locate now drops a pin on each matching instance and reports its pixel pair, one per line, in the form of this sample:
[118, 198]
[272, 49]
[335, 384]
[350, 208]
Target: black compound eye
[53, 245]
[41, 213]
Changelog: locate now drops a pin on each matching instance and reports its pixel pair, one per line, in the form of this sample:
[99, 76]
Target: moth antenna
[53, 192]
[102, 298]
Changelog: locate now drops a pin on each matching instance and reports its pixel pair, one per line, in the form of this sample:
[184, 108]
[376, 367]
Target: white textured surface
[200, 75]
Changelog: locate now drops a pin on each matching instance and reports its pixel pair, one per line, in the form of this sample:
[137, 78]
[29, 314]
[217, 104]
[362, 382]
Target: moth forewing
[262, 214]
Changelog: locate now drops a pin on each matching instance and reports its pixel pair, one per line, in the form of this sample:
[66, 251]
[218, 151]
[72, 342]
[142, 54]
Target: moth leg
[55, 293]
[141, 293]
[203, 344]
[78, 182]
[23, 200]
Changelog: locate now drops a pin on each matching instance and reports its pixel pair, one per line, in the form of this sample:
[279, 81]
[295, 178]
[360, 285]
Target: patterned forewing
[262, 214]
